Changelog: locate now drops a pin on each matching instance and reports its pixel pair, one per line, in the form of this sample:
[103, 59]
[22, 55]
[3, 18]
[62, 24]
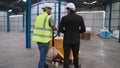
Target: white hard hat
[71, 6]
[46, 5]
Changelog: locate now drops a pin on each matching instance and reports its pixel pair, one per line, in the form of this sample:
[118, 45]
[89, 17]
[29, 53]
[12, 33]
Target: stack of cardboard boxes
[85, 36]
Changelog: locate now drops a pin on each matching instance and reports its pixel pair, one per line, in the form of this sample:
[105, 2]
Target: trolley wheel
[56, 64]
[53, 63]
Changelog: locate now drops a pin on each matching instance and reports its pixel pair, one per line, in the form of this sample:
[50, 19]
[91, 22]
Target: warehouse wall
[16, 22]
[93, 19]
[3, 21]
[115, 21]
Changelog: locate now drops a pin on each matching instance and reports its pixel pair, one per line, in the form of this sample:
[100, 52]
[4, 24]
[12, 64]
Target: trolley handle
[53, 36]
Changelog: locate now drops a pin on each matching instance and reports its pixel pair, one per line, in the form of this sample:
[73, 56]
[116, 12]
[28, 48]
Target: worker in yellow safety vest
[42, 33]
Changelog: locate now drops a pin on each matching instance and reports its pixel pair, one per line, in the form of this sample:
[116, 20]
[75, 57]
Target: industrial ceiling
[19, 5]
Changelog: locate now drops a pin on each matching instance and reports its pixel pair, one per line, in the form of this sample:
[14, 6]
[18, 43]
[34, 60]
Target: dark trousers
[75, 50]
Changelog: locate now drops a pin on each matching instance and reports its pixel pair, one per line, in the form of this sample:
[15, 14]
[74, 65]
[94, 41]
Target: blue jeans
[43, 49]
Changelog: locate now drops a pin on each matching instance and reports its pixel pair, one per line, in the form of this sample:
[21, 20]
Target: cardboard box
[85, 36]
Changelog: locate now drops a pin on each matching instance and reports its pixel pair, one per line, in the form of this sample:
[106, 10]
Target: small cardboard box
[85, 36]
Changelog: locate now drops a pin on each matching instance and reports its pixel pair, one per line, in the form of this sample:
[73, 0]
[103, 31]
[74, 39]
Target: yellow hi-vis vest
[42, 31]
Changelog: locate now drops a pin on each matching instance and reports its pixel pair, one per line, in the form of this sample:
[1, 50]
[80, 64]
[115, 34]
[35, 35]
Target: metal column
[59, 14]
[23, 22]
[28, 24]
[55, 11]
[8, 20]
[119, 36]
[37, 9]
[110, 15]
[119, 25]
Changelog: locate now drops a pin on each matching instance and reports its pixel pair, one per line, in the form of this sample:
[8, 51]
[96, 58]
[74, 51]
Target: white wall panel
[114, 28]
[20, 19]
[98, 23]
[115, 14]
[88, 22]
[5, 18]
[97, 29]
[33, 17]
[114, 22]
[93, 19]
[1, 23]
[2, 18]
[115, 6]
[16, 23]
[107, 22]
[33, 22]
[98, 15]
[88, 16]
[107, 14]
[34, 10]
[2, 13]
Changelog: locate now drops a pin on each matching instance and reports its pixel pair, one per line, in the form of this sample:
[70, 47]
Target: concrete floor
[95, 53]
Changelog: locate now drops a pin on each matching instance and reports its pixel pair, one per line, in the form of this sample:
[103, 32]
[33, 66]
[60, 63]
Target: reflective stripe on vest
[42, 35]
[37, 28]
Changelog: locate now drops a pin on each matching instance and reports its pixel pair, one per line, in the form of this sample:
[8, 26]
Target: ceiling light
[90, 2]
[24, 0]
[16, 15]
[93, 2]
[10, 10]
[86, 3]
